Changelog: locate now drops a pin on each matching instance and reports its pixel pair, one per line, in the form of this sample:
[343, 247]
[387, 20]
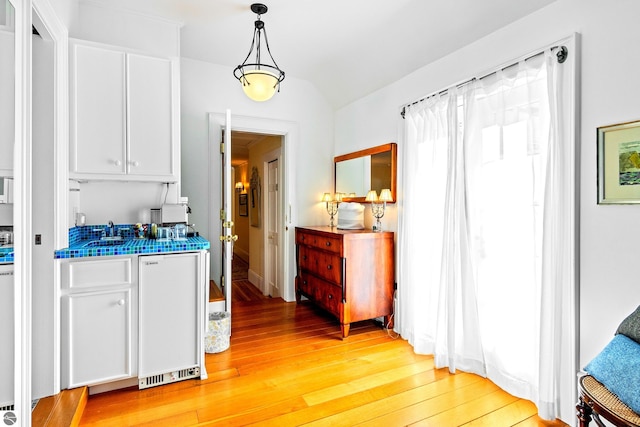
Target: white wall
[610, 36]
[209, 88]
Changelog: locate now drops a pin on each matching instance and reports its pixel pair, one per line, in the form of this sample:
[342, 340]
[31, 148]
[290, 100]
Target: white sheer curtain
[485, 241]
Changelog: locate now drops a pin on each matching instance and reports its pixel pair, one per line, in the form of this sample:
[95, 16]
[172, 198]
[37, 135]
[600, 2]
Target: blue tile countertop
[6, 255]
[83, 242]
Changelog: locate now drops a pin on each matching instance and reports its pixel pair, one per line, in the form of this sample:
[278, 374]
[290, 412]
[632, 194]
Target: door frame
[273, 155]
[289, 131]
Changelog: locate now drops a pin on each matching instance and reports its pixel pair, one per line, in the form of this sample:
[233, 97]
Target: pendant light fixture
[259, 80]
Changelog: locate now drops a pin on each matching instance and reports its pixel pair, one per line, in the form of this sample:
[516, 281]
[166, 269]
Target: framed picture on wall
[619, 164]
[243, 205]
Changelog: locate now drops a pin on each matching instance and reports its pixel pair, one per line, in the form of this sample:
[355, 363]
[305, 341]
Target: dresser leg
[345, 329]
[388, 322]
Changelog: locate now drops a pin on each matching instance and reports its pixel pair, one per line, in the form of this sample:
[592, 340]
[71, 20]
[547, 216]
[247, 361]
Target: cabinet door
[98, 325]
[150, 116]
[170, 313]
[7, 333]
[7, 103]
[98, 133]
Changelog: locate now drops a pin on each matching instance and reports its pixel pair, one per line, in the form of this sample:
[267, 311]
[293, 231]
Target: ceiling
[240, 144]
[346, 48]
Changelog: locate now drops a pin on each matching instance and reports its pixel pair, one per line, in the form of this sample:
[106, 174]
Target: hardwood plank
[288, 365]
[512, 414]
[62, 410]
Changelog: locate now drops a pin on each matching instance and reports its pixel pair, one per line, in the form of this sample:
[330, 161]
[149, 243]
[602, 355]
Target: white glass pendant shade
[259, 85]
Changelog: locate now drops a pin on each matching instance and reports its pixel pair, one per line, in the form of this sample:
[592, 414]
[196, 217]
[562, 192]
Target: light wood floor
[288, 366]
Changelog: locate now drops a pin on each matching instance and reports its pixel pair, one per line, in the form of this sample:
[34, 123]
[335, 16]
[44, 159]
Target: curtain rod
[561, 55]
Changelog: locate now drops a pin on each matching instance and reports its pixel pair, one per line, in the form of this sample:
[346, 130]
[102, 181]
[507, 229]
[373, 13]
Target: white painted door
[273, 230]
[226, 238]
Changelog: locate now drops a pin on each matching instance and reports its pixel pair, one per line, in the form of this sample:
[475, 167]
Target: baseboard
[256, 280]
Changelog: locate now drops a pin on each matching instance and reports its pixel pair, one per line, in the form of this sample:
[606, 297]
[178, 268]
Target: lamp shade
[385, 195]
[259, 85]
[326, 197]
[372, 196]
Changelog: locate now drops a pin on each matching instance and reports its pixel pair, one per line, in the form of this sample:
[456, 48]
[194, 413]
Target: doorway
[258, 246]
[289, 134]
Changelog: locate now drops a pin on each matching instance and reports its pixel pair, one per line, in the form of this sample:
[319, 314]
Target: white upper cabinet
[149, 116]
[7, 103]
[124, 115]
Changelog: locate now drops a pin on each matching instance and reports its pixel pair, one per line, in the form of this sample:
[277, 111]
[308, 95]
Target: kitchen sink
[103, 243]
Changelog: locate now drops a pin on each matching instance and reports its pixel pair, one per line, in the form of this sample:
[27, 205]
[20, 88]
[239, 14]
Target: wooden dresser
[349, 273]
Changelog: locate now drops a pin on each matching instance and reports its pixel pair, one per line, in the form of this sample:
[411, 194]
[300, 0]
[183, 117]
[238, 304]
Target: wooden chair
[596, 401]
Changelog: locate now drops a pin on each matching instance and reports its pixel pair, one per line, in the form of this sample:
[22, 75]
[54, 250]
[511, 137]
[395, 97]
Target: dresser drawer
[304, 284]
[326, 243]
[330, 297]
[323, 264]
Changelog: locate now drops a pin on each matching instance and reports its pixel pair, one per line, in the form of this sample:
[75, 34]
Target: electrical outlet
[38, 239]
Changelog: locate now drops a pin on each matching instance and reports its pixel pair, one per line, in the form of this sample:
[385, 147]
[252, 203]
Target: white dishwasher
[6, 335]
[171, 316]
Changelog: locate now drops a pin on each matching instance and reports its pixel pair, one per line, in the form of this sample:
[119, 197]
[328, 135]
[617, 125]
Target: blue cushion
[617, 367]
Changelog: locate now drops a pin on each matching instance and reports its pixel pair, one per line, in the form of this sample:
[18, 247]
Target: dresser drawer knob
[330, 296]
[328, 243]
[329, 267]
[304, 257]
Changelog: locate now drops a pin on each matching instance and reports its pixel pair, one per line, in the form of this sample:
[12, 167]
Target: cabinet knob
[329, 267]
[304, 257]
[117, 162]
[328, 243]
[135, 163]
[121, 302]
[330, 296]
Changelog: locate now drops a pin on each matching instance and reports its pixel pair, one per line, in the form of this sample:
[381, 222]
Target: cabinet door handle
[121, 302]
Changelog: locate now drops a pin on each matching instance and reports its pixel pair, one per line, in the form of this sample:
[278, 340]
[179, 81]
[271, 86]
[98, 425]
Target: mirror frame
[391, 147]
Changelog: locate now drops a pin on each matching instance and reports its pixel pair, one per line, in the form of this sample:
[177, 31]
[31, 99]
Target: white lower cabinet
[171, 318]
[99, 321]
[7, 332]
[132, 319]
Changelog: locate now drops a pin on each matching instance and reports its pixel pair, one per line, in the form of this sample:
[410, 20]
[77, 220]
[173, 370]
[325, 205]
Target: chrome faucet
[110, 228]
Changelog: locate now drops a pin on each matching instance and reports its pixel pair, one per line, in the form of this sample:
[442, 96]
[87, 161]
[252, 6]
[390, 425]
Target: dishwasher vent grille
[169, 377]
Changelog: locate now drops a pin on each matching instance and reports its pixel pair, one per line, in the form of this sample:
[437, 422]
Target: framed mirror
[371, 169]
